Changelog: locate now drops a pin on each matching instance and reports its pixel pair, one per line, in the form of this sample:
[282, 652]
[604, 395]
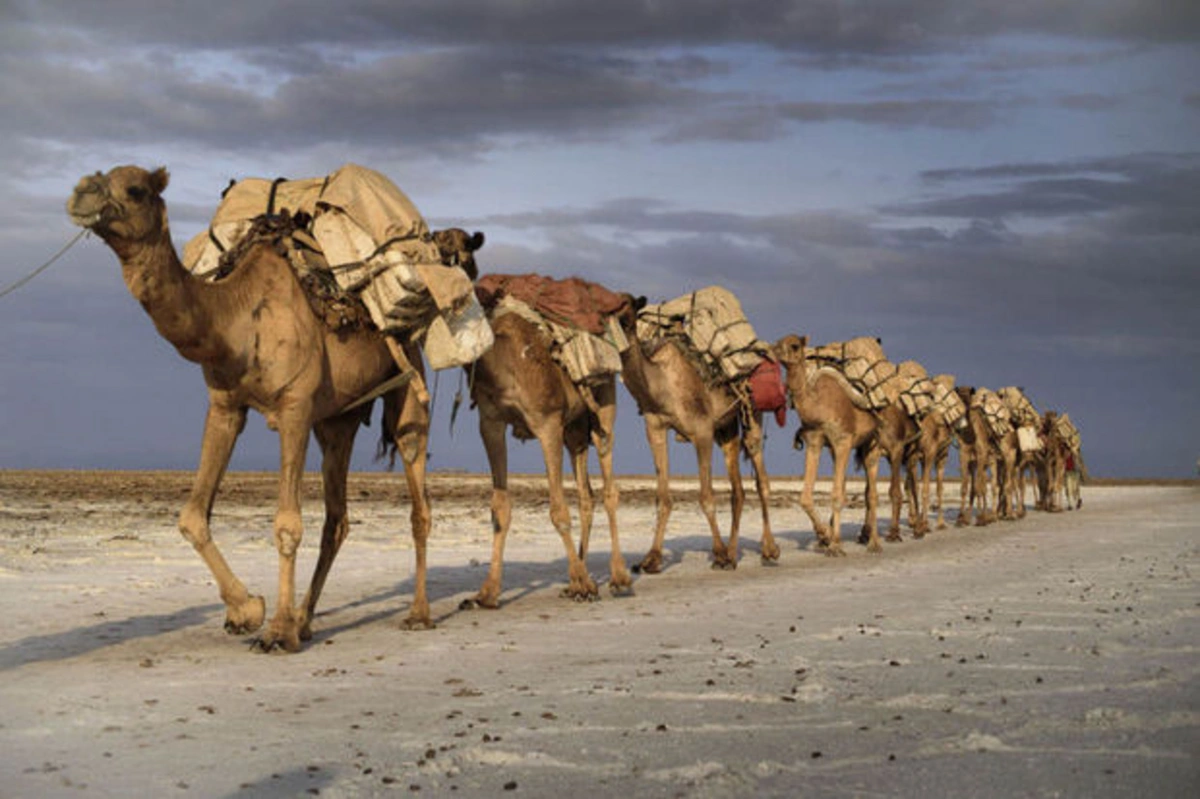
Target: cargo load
[364, 232]
[713, 324]
[1068, 432]
[995, 413]
[947, 402]
[578, 317]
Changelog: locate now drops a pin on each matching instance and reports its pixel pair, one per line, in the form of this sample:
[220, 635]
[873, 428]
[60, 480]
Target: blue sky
[1009, 192]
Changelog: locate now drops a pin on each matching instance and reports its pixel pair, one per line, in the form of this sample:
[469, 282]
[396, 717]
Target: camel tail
[386, 448]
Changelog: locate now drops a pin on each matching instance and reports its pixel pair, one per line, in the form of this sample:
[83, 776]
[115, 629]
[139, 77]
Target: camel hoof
[246, 617]
[724, 564]
[894, 538]
[580, 595]
[835, 552]
[419, 623]
[272, 641]
[874, 548]
[478, 603]
[651, 564]
[620, 588]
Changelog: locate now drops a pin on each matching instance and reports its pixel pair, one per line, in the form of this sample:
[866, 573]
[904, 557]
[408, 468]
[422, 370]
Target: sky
[1005, 191]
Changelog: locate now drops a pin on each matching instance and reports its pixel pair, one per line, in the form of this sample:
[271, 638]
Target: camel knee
[193, 526]
[289, 529]
[501, 513]
[560, 516]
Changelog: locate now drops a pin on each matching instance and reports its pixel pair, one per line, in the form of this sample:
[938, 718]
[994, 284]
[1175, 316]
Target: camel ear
[879, 339]
[639, 303]
[476, 241]
[159, 179]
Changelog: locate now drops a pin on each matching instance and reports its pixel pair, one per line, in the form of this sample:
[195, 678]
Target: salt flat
[1053, 656]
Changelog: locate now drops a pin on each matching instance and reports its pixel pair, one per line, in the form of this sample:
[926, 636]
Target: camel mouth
[85, 220]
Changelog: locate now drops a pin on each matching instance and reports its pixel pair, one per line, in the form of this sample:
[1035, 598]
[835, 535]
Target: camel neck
[175, 300]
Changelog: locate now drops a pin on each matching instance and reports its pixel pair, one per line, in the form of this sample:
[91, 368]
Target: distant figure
[1071, 478]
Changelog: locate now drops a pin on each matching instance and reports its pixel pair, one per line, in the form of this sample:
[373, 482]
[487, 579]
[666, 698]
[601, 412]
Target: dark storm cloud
[416, 99]
[1142, 189]
[833, 25]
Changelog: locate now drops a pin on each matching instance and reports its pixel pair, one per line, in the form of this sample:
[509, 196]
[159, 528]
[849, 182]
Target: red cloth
[767, 390]
[571, 301]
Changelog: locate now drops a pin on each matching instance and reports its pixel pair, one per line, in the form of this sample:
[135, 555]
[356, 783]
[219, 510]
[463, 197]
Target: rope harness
[10, 289]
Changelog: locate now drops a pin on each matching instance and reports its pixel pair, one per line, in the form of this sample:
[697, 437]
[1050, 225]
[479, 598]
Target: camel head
[457, 248]
[790, 350]
[126, 204]
[627, 316]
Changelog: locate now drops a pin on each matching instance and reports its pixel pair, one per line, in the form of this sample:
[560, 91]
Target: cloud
[816, 25]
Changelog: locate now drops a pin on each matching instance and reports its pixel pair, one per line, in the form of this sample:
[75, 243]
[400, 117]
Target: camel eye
[137, 193]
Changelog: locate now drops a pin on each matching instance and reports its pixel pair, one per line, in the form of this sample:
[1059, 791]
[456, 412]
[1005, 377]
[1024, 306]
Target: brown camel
[671, 394]
[261, 346]
[518, 384]
[976, 457]
[898, 433]
[832, 414]
[1051, 475]
[926, 456]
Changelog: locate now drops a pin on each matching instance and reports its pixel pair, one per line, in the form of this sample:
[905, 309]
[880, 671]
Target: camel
[927, 455]
[518, 384]
[898, 433]
[1053, 464]
[261, 347]
[975, 458]
[834, 415]
[671, 394]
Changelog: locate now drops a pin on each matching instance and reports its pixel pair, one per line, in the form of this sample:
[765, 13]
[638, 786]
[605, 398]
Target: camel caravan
[309, 300]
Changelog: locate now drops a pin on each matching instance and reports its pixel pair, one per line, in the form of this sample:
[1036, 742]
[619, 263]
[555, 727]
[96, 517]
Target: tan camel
[834, 415]
[261, 347]
[518, 384]
[1053, 464]
[898, 432]
[975, 459]
[927, 456]
[671, 394]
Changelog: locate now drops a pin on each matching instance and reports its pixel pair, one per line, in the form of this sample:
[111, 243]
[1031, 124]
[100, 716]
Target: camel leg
[708, 502]
[412, 442]
[494, 432]
[985, 471]
[737, 499]
[656, 437]
[841, 460]
[550, 435]
[336, 439]
[619, 579]
[752, 441]
[966, 500]
[940, 469]
[283, 630]
[870, 526]
[243, 613]
[896, 497]
[587, 500]
[918, 488]
[812, 459]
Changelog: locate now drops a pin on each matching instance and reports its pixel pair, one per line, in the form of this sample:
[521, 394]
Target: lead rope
[45, 266]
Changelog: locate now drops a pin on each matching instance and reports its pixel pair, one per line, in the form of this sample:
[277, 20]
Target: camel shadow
[522, 579]
[94, 637]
